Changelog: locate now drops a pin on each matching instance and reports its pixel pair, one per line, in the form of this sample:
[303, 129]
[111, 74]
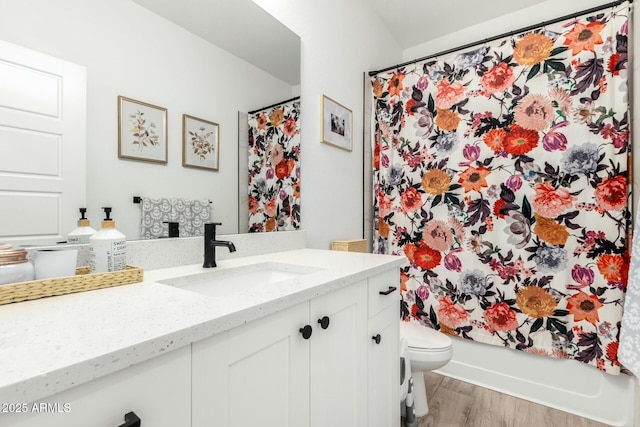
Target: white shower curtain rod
[510, 33]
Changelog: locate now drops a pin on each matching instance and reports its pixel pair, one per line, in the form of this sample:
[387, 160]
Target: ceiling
[244, 29]
[413, 22]
[240, 27]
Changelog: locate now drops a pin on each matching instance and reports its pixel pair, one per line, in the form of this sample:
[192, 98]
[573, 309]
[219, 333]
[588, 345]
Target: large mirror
[205, 59]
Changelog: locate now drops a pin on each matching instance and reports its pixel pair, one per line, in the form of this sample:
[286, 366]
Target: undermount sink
[226, 281]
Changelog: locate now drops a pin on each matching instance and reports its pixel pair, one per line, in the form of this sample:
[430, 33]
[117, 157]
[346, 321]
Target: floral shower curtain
[501, 174]
[274, 168]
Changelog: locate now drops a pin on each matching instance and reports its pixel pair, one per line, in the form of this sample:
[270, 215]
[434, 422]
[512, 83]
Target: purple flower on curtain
[514, 182]
[422, 83]
[452, 262]
[583, 275]
[422, 292]
[471, 153]
[553, 140]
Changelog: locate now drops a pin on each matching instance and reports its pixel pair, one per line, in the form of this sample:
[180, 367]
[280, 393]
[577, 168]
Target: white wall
[567, 385]
[130, 51]
[341, 40]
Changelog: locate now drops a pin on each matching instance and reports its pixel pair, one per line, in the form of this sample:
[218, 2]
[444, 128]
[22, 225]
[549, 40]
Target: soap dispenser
[108, 247]
[83, 232]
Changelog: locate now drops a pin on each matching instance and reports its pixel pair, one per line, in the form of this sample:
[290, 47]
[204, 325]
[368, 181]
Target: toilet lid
[423, 337]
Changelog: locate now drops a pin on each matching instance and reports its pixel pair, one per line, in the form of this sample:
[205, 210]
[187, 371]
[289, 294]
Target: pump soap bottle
[108, 247]
[83, 232]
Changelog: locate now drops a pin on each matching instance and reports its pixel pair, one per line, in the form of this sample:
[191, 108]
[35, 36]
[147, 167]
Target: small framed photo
[337, 124]
[200, 143]
[142, 131]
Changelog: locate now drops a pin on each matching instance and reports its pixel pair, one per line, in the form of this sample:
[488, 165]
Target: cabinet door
[158, 391]
[338, 358]
[384, 369]
[254, 375]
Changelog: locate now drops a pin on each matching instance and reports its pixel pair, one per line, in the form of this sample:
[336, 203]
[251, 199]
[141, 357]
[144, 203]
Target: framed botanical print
[200, 143]
[142, 131]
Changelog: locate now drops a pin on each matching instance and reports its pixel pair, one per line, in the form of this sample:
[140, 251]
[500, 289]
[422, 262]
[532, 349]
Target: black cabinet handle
[324, 322]
[131, 420]
[388, 291]
[306, 332]
[377, 338]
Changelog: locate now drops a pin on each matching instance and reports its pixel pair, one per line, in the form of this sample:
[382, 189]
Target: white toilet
[428, 349]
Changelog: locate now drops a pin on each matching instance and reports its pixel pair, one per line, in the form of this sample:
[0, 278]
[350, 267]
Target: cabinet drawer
[384, 291]
[157, 390]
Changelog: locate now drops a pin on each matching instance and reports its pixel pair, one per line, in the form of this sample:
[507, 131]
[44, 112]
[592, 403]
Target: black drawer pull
[306, 332]
[388, 291]
[324, 322]
[131, 420]
[377, 338]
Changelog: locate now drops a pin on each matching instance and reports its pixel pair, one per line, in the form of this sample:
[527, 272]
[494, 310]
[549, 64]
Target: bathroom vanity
[305, 338]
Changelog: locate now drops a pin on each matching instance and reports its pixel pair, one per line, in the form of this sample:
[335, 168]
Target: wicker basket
[355, 245]
[82, 281]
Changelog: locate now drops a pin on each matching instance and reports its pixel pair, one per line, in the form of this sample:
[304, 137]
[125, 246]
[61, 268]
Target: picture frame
[142, 131]
[200, 143]
[337, 124]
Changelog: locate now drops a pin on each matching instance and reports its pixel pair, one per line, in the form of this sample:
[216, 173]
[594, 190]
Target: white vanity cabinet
[271, 373]
[316, 363]
[383, 350]
[158, 391]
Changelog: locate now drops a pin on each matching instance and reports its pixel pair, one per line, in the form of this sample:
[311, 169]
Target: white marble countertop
[52, 344]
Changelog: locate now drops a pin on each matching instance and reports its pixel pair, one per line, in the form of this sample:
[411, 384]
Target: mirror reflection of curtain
[501, 174]
[274, 168]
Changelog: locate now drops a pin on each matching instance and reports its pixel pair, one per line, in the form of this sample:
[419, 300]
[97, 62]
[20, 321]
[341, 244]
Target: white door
[42, 145]
[338, 358]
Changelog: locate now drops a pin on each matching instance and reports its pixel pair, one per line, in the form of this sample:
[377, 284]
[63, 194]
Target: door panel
[42, 145]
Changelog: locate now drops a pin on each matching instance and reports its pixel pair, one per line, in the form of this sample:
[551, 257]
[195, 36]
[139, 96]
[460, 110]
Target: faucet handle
[210, 229]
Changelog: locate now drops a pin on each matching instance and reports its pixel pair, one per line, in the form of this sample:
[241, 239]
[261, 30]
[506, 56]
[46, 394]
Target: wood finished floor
[454, 403]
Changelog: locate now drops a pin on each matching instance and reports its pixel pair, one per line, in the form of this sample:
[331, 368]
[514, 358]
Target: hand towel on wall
[190, 214]
[629, 351]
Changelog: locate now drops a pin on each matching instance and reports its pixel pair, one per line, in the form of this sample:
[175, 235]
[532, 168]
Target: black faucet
[210, 244]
